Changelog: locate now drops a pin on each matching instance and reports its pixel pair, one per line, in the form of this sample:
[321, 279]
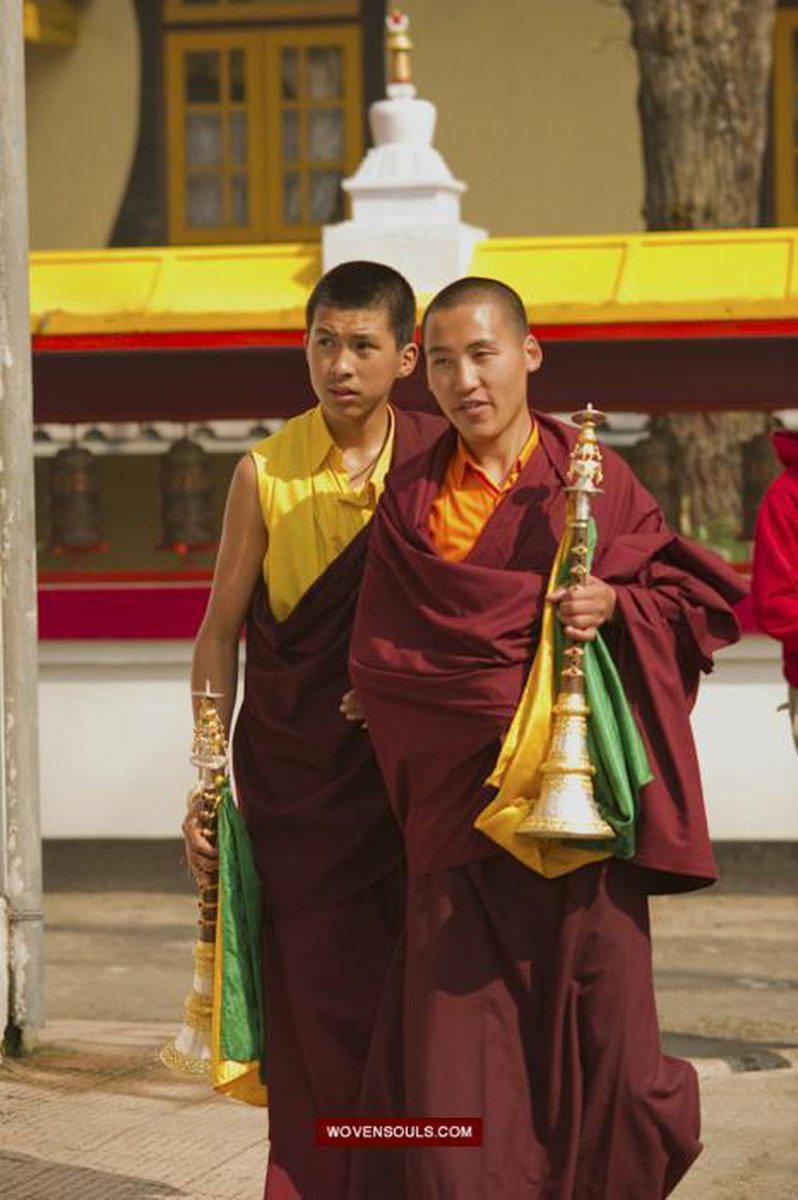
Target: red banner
[405, 1131]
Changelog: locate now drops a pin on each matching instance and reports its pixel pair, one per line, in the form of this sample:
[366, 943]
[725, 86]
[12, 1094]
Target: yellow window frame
[177, 46]
[51, 22]
[263, 106]
[785, 116]
[262, 10]
[349, 40]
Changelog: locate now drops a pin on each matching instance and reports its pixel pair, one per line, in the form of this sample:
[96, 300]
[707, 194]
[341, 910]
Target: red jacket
[774, 587]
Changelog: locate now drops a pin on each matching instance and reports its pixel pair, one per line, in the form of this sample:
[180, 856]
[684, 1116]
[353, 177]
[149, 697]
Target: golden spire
[398, 45]
[209, 749]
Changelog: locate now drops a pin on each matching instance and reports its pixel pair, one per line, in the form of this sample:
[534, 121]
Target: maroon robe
[526, 1001]
[329, 854]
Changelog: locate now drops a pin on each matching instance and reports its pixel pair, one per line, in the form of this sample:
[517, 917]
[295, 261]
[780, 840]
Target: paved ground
[92, 1116]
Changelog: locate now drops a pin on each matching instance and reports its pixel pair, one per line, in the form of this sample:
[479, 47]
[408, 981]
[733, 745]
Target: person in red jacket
[774, 587]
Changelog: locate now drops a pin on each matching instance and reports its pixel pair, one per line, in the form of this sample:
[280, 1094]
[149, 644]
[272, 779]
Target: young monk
[522, 999]
[326, 843]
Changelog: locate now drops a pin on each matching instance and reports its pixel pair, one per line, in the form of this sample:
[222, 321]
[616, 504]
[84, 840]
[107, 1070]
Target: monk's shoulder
[417, 431]
[283, 447]
[415, 462]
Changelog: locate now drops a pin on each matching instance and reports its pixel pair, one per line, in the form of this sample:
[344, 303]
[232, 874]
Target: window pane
[203, 140]
[292, 204]
[203, 201]
[325, 72]
[202, 77]
[326, 134]
[326, 197]
[238, 138]
[290, 135]
[289, 74]
[238, 83]
[240, 200]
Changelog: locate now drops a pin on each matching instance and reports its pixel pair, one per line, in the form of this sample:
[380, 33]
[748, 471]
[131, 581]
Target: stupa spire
[405, 200]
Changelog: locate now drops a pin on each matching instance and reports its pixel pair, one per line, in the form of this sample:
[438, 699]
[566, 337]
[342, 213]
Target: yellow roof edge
[61, 324]
[716, 275]
[765, 233]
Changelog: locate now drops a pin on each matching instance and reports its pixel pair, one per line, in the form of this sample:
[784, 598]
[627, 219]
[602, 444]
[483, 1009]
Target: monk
[518, 998]
[326, 843]
[774, 581]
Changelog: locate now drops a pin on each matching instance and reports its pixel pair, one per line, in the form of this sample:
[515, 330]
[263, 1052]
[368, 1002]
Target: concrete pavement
[92, 1115]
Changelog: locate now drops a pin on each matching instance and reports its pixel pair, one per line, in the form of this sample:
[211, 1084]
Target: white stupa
[405, 200]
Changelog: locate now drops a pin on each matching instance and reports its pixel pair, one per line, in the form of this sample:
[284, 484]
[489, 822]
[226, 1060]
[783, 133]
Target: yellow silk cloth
[517, 773]
[309, 508]
[467, 498]
[238, 1080]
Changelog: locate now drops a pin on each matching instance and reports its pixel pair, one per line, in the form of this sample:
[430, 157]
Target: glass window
[265, 124]
[325, 74]
[238, 138]
[326, 198]
[202, 77]
[292, 199]
[290, 74]
[240, 200]
[203, 140]
[326, 135]
[290, 135]
[238, 83]
[204, 201]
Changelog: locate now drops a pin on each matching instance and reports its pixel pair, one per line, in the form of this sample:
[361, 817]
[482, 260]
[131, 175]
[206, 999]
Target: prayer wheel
[75, 505]
[187, 512]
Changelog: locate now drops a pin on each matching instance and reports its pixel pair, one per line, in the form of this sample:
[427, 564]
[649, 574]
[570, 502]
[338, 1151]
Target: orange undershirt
[466, 500]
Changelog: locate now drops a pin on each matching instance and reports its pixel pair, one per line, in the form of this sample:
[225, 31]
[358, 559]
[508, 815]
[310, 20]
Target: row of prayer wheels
[187, 500]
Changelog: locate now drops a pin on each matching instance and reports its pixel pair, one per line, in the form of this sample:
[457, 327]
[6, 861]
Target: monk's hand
[351, 709]
[201, 855]
[584, 609]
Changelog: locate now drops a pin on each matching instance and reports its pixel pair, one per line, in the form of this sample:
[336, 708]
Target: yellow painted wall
[82, 113]
[536, 110]
[536, 104]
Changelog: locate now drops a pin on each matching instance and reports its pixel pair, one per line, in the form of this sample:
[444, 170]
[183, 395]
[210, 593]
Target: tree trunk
[704, 79]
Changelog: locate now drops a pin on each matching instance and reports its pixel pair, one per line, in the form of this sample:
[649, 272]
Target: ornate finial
[209, 748]
[584, 470]
[398, 45]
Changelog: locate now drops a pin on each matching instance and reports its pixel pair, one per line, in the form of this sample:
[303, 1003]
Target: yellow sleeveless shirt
[310, 511]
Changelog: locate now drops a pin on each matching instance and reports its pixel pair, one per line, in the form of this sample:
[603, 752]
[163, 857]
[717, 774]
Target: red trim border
[147, 611]
[611, 331]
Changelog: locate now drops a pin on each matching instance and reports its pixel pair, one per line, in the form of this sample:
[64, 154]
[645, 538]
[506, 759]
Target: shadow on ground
[740, 1055]
[25, 1177]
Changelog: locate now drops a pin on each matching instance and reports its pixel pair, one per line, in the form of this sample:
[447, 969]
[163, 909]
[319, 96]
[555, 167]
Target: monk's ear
[533, 353]
[408, 357]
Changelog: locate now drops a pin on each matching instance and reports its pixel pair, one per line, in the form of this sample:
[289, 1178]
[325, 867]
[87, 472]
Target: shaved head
[473, 289]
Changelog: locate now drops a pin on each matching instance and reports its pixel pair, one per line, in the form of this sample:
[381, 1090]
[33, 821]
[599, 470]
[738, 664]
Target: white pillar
[20, 839]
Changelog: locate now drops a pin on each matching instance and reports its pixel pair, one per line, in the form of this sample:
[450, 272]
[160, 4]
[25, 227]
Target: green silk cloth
[238, 1025]
[614, 743]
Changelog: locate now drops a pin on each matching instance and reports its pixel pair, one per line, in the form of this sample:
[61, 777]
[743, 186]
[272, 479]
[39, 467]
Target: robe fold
[329, 855]
[441, 650]
[523, 1000]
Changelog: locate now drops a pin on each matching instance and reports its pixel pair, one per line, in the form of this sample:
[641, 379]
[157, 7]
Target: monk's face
[478, 361]
[354, 360]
